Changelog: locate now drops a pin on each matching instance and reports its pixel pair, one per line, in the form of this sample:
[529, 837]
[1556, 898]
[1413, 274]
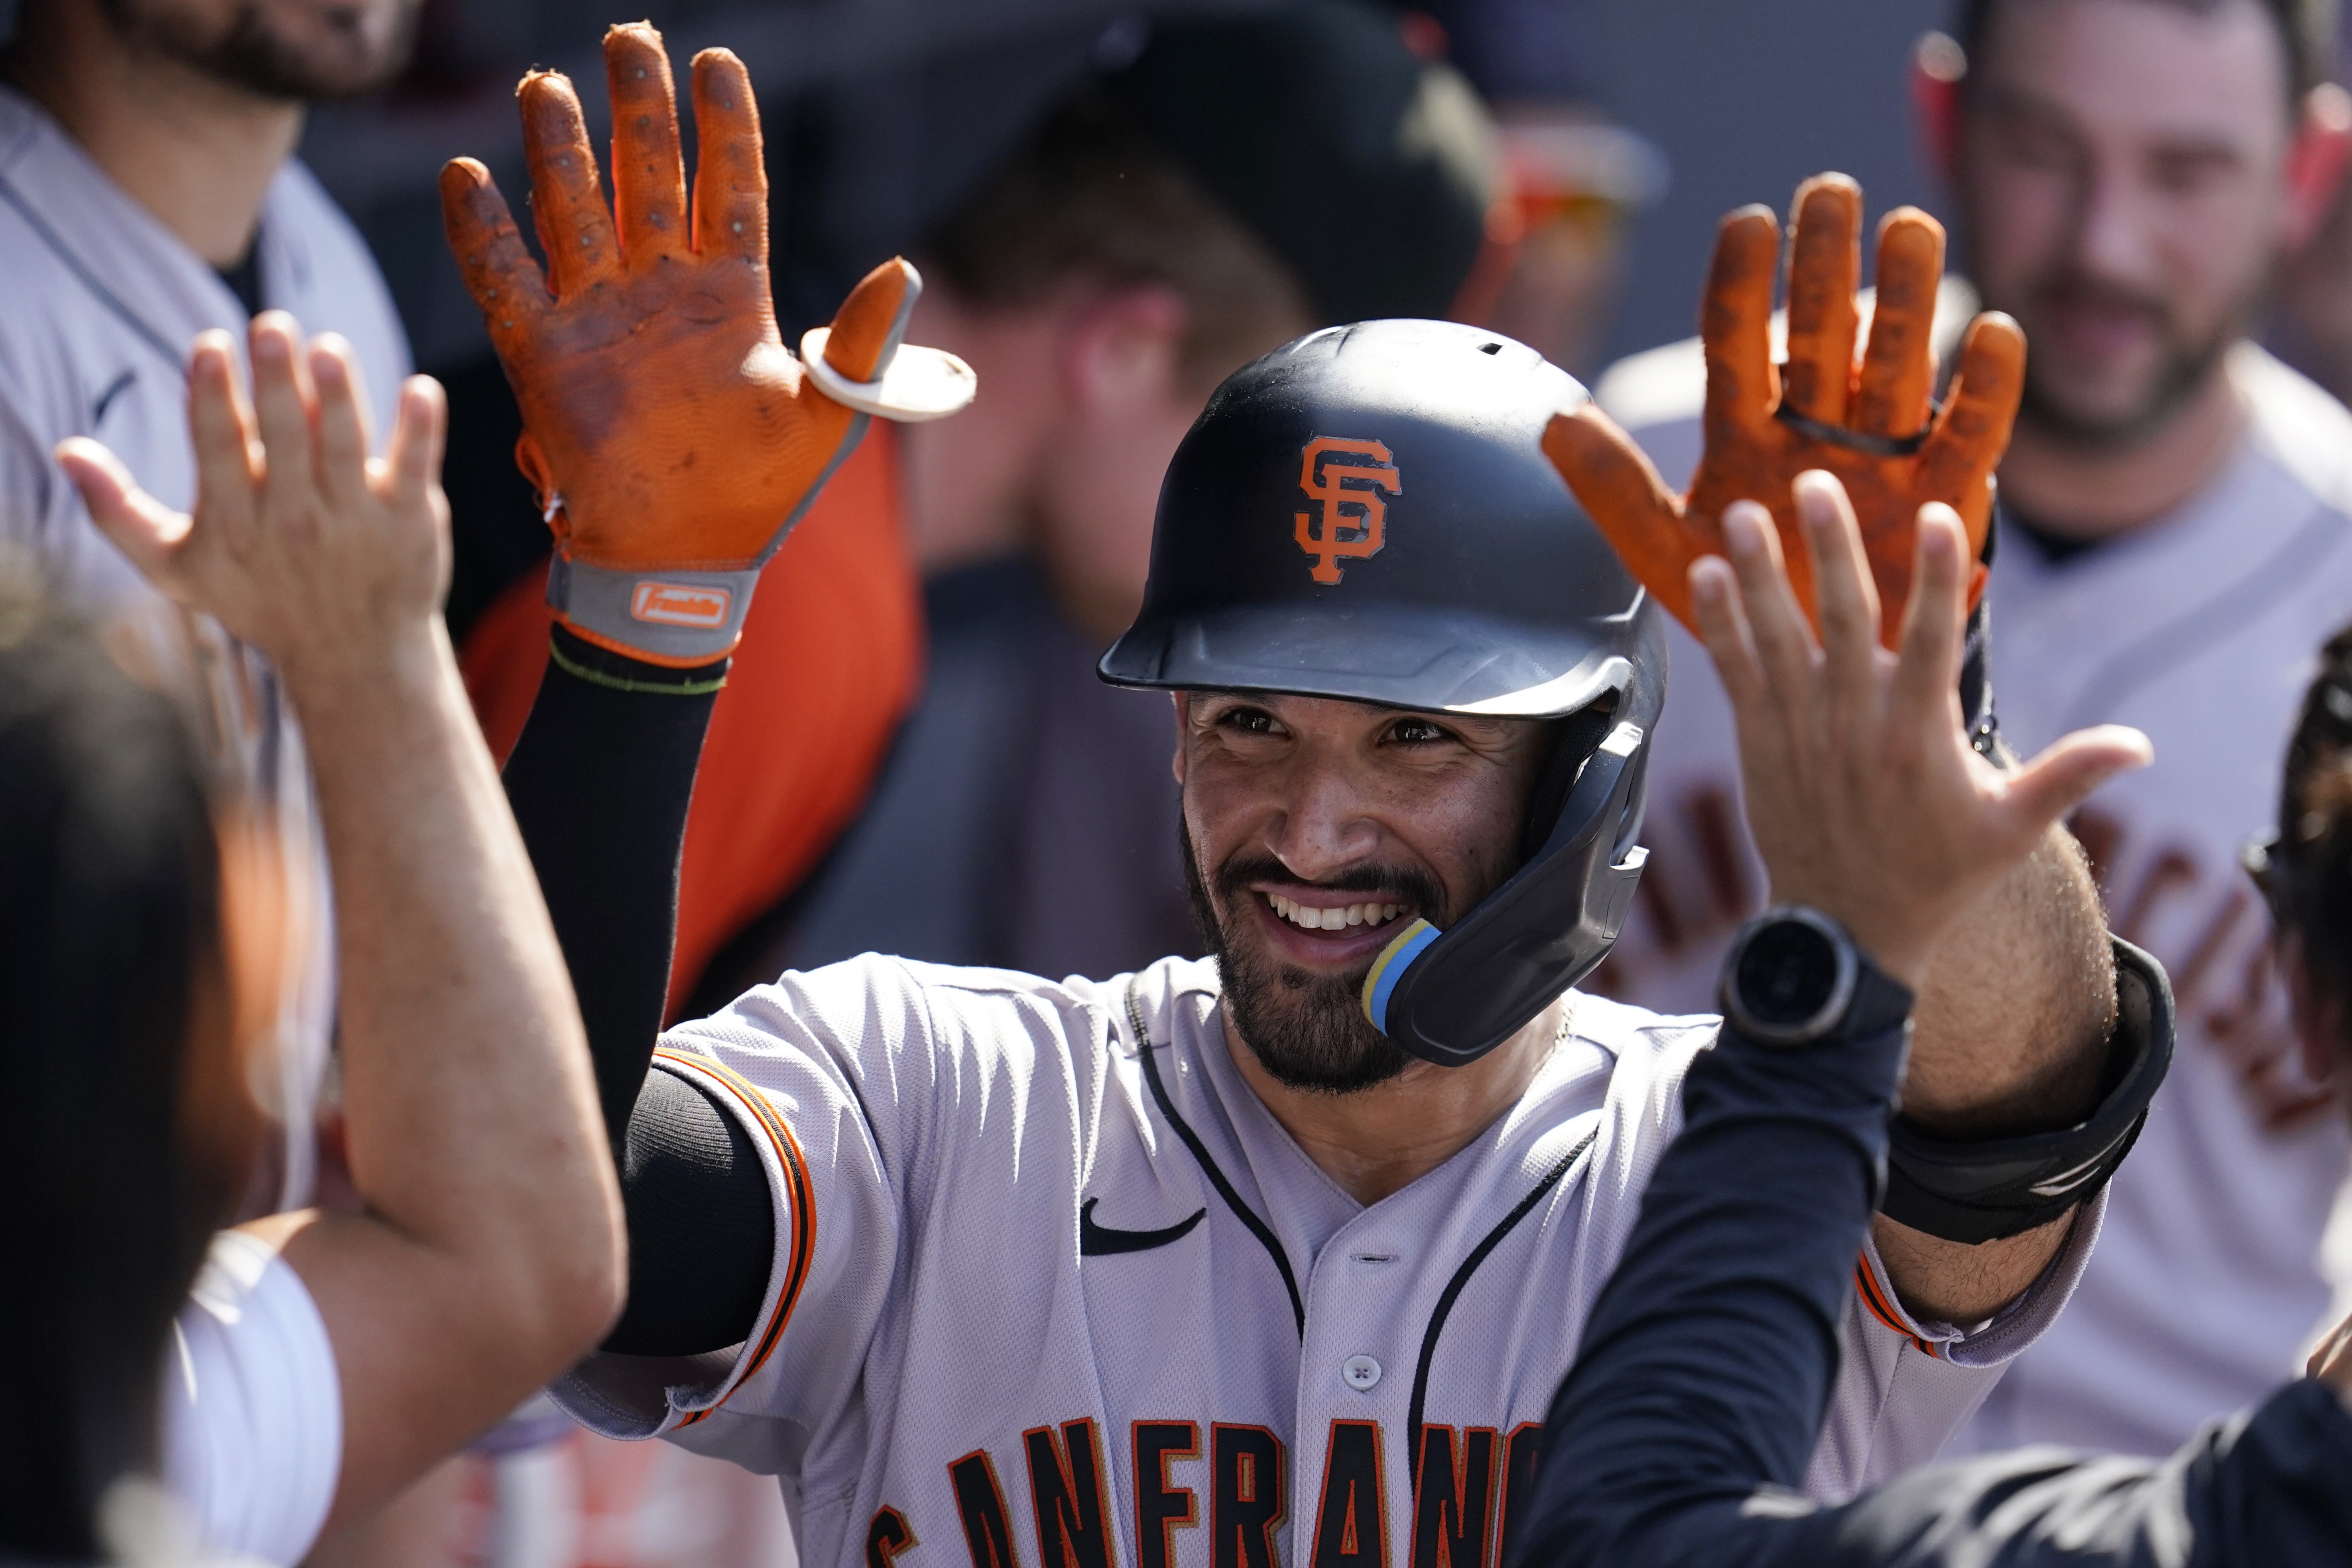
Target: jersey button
[1359, 1373]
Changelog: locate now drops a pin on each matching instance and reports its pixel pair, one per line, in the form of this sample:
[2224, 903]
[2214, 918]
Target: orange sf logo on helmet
[1347, 477]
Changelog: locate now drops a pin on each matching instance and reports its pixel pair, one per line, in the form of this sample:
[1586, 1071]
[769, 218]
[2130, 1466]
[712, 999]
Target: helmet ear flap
[1574, 740]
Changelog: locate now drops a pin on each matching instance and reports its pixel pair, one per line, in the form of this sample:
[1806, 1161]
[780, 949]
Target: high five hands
[1865, 797]
[672, 438]
[330, 561]
[1869, 425]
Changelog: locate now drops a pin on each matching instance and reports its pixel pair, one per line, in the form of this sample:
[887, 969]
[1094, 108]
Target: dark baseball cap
[1366, 169]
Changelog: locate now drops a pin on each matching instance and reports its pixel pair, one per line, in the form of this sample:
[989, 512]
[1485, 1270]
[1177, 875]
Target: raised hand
[301, 544]
[672, 438]
[1868, 423]
[1863, 794]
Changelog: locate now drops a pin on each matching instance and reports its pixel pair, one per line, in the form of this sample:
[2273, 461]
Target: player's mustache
[2082, 290]
[1392, 884]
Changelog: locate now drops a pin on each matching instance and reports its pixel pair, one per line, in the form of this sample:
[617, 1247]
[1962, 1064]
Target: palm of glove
[1868, 425]
[666, 423]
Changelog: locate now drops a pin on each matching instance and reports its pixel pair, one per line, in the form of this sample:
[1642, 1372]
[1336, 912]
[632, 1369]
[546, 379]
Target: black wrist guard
[1973, 1191]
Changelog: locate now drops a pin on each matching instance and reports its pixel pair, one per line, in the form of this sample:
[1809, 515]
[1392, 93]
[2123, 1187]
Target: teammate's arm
[1867, 801]
[2013, 1035]
[486, 1256]
[1672, 1442]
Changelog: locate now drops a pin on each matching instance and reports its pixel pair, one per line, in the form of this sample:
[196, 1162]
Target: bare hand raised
[301, 543]
[1864, 797]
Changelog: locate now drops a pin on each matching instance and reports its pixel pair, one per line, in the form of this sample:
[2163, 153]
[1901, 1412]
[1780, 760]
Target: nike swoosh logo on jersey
[1100, 1240]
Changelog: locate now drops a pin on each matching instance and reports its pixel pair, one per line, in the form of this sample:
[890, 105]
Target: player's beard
[359, 51]
[2185, 362]
[1307, 1030]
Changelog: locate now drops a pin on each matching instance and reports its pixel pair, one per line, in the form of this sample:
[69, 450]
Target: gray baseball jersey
[2202, 630]
[102, 303]
[1052, 1285]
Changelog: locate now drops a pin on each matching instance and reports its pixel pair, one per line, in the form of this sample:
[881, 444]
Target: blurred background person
[2311, 322]
[148, 192]
[2175, 535]
[302, 1367]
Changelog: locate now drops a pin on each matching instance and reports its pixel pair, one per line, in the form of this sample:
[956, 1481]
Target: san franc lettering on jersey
[1237, 1486]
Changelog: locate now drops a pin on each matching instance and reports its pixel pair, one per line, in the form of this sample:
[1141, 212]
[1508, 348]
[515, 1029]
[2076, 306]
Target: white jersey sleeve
[252, 1410]
[837, 1077]
[1876, 1430]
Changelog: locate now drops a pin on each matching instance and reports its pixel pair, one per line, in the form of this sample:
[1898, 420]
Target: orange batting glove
[1871, 425]
[672, 438]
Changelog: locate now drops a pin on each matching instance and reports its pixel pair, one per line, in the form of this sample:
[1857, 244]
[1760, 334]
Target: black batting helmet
[1367, 514]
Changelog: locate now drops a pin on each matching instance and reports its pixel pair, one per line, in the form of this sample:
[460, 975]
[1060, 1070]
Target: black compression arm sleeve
[600, 782]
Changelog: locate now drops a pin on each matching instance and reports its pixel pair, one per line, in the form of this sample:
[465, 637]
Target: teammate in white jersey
[321, 1361]
[1277, 1258]
[147, 194]
[2175, 540]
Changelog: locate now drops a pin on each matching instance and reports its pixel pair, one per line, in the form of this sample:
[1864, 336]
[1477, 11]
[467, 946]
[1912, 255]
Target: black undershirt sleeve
[599, 781]
[702, 1227]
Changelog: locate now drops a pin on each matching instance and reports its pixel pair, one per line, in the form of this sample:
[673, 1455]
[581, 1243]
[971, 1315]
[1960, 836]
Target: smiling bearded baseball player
[1277, 1258]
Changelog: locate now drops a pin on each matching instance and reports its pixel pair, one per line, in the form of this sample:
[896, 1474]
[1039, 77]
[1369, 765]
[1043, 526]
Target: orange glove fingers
[1736, 323]
[867, 327]
[567, 201]
[1957, 461]
[1824, 268]
[730, 177]
[499, 271]
[648, 172]
[1898, 369]
[1621, 491]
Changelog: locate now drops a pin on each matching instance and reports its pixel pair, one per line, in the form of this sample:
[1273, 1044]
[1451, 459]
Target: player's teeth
[1312, 917]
